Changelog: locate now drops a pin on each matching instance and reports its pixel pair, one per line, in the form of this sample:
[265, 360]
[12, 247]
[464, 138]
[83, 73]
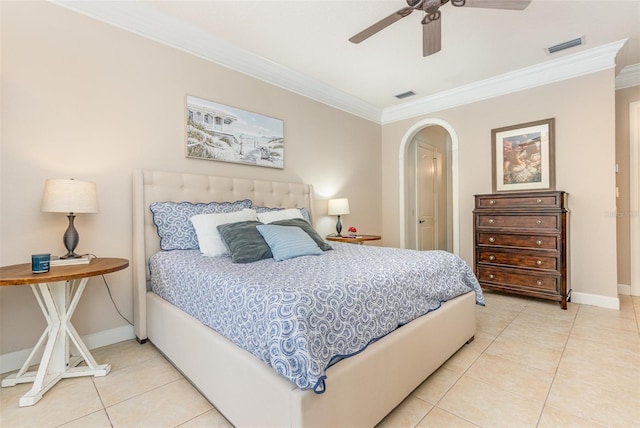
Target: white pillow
[206, 226]
[271, 216]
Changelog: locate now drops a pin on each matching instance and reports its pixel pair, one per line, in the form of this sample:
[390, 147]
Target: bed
[356, 391]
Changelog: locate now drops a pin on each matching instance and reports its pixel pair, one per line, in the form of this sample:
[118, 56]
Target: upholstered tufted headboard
[161, 186]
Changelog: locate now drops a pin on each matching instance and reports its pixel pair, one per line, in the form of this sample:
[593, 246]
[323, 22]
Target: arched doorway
[407, 178]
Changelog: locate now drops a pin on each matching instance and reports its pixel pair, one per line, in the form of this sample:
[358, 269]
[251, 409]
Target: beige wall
[623, 98]
[86, 100]
[584, 110]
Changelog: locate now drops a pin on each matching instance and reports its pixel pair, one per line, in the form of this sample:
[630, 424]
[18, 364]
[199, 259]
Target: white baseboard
[624, 289]
[14, 360]
[595, 300]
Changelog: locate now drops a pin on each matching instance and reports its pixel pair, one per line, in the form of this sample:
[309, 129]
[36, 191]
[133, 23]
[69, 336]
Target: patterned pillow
[287, 242]
[284, 213]
[172, 220]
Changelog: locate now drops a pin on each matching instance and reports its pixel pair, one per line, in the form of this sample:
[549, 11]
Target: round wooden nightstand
[58, 293]
[357, 239]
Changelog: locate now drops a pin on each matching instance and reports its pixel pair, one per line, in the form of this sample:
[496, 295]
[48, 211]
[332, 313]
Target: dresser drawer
[516, 258]
[507, 277]
[519, 221]
[529, 201]
[543, 242]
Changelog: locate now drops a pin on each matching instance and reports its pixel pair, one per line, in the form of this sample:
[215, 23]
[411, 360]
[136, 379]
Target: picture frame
[223, 133]
[523, 157]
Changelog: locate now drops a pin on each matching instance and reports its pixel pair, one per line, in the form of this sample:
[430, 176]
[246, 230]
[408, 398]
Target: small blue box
[40, 263]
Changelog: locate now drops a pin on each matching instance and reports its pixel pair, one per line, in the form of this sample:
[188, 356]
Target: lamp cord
[113, 301]
[110, 295]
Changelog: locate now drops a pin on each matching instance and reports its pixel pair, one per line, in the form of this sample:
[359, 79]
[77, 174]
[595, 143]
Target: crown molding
[628, 77]
[143, 19]
[567, 67]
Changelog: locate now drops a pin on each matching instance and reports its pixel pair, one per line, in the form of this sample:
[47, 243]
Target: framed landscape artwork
[523, 157]
[223, 133]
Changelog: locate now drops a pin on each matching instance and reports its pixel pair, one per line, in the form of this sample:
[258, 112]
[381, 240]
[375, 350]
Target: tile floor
[530, 365]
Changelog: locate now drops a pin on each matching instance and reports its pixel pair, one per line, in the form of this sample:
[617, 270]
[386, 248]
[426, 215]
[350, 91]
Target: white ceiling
[303, 44]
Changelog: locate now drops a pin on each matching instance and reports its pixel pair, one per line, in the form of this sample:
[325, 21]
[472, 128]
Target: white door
[427, 197]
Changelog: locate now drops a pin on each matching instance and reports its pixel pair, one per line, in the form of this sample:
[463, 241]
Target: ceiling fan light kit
[432, 20]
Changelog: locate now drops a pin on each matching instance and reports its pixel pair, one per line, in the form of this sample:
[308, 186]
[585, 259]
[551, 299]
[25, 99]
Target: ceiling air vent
[405, 95]
[564, 45]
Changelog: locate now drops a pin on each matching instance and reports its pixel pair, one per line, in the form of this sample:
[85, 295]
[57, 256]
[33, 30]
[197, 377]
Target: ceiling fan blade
[495, 4]
[431, 36]
[381, 25]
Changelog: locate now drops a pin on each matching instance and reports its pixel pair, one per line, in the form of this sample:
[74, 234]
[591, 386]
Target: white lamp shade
[69, 196]
[338, 206]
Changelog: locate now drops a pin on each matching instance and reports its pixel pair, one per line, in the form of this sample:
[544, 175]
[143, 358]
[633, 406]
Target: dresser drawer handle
[539, 262]
[539, 221]
[491, 221]
[491, 276]
[491, 202]
[492, 239]
[539, 282]
[539, 242]
[492, 258]
[538, 201]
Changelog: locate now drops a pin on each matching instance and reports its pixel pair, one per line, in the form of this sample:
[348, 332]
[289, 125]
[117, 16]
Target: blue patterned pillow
[172, 220]
[287, 242]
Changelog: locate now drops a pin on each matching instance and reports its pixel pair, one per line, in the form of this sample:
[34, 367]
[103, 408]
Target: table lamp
[72, 197]
[338, 207]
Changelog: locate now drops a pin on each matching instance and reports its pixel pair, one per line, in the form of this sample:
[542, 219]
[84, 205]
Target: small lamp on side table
[69, 196]
[338, 207]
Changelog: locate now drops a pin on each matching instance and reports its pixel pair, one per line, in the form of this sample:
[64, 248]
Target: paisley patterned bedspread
[301, 315]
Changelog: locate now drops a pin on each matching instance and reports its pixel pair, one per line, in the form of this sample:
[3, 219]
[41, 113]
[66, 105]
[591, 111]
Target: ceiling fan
[431, 23]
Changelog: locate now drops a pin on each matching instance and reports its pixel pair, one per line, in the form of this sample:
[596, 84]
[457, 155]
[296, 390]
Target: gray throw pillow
[245, 243]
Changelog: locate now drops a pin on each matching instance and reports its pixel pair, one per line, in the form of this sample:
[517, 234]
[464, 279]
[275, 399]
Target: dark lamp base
[71, 256]
[71, 239]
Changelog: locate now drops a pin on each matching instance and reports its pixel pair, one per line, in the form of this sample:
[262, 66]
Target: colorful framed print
[523, 157]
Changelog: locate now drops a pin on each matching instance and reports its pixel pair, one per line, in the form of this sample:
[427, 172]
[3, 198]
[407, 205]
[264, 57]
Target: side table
[58, 293]
[357, 239]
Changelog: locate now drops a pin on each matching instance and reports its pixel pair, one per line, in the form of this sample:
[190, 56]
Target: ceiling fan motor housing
[428, 5]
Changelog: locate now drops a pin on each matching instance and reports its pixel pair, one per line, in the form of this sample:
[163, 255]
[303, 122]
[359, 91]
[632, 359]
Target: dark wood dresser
[521, 244]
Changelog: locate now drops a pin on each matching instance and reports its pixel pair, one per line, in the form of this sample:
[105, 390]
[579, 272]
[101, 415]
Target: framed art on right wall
[522, 157]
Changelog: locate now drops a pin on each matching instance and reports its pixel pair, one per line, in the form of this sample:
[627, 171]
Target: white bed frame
[361, 389]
